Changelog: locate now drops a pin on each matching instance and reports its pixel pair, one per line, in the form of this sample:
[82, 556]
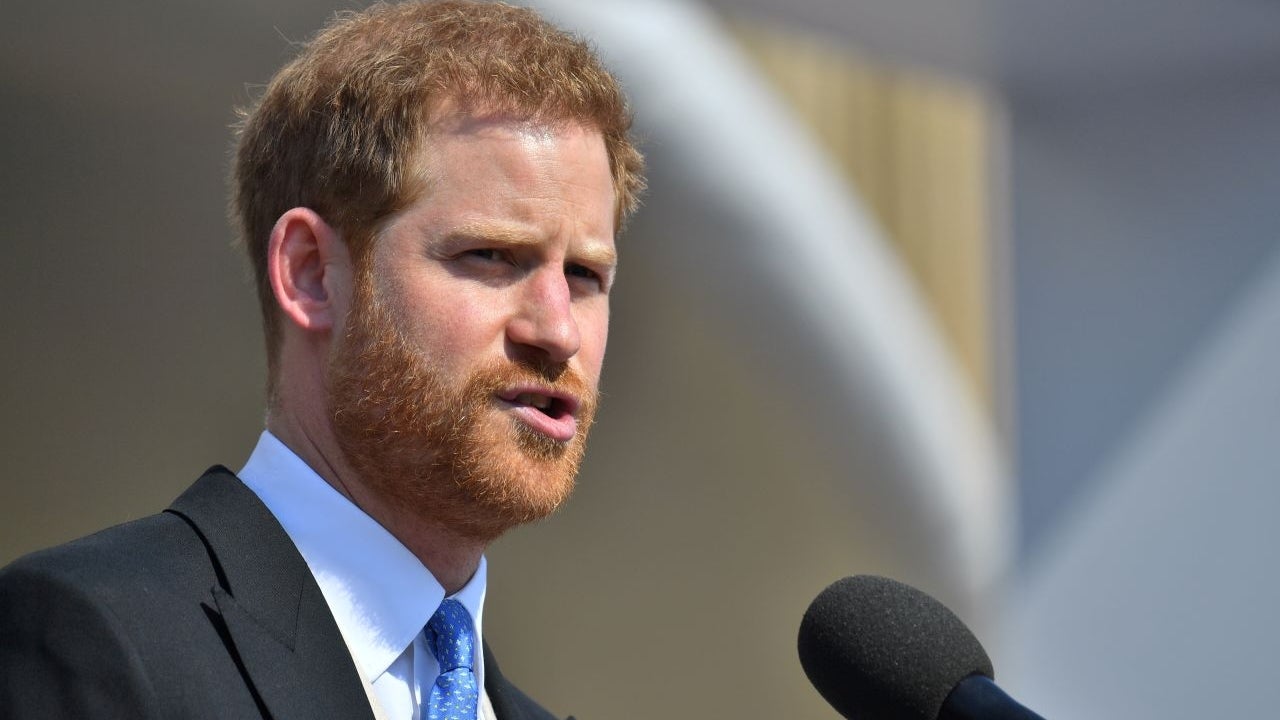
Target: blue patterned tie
[452, 641]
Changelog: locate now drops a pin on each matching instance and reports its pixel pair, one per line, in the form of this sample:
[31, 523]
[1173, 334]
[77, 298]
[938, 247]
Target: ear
[310, 270]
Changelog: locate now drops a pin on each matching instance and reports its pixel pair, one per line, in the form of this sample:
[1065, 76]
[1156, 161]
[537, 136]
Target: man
[429, 194]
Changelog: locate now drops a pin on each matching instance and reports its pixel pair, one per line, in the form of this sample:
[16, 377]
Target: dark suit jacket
[206, 610]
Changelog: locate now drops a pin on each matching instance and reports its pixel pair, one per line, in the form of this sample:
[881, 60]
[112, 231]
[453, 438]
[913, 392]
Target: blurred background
[981, 295]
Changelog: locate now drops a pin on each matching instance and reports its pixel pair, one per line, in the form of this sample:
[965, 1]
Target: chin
[521, 480]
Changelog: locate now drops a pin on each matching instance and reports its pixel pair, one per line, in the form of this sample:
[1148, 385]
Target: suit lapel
[277, 622]
[502, 694]
[509, 702]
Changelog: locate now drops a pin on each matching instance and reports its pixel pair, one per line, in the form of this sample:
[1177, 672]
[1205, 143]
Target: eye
[485, 254]
[574, 270]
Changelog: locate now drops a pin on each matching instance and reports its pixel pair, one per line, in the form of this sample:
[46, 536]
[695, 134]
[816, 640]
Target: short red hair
[340, 128]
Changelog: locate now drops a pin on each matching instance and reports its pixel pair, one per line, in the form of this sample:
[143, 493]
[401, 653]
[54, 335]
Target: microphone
[877, 649]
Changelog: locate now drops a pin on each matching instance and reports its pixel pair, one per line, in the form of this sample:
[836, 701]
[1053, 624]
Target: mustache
[559, 376]
[541, 369]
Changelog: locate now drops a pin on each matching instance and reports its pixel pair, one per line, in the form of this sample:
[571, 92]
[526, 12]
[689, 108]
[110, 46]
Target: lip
[560, 423]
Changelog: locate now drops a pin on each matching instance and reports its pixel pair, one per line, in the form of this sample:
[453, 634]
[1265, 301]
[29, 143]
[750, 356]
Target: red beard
[445, 451]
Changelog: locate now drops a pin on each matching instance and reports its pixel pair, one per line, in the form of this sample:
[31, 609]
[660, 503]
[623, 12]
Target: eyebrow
[594, 253]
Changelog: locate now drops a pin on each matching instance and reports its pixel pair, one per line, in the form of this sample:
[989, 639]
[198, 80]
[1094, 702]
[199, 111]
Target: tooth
[539, 401]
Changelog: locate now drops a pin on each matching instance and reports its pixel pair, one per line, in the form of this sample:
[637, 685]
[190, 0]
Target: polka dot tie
[452, 640]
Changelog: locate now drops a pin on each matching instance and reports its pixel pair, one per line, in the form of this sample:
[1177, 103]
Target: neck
[451, 558]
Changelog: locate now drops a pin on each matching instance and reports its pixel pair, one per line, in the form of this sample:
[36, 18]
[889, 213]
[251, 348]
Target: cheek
[595, 335]
[451, 328]
[469, 331]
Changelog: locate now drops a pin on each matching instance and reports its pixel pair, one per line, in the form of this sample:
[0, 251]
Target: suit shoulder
[151, 551]
[71, 643]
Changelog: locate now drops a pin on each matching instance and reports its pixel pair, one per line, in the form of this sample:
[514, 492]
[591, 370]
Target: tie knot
[450, 635]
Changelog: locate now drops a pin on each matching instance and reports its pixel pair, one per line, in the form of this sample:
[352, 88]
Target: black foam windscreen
[877, 649]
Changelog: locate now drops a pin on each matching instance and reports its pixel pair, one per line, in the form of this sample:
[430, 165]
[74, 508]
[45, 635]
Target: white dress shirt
[380, 594]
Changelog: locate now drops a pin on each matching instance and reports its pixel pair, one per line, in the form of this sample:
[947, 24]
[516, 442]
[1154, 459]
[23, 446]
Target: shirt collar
[380, 594]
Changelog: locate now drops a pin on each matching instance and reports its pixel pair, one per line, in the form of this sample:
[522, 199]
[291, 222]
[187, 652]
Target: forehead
[472, 167]
[500, 136]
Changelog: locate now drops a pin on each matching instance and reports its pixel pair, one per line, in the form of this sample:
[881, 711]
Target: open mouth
[548, 405]
[545, 411]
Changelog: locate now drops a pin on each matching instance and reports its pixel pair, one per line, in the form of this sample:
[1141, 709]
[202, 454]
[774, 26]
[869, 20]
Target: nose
[544, 320]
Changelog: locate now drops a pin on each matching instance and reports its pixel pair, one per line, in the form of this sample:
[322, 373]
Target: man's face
[465, 381]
